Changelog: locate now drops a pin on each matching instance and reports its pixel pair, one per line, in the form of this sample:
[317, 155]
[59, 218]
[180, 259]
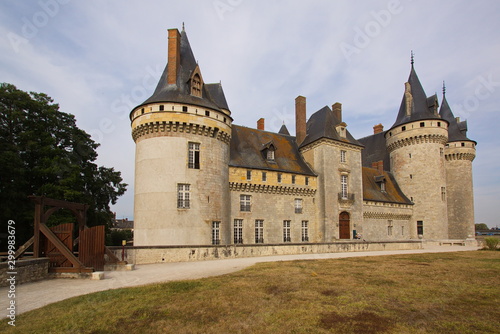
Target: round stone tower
[459, 152]
[416, 144]
[182, 134]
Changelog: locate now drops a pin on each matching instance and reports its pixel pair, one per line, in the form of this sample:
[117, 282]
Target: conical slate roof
[421, 107]
[322, 125]
[457, 131]
[284, 130]
[212, 94]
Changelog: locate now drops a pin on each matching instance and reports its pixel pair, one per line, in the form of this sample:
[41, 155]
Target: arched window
[196, 85]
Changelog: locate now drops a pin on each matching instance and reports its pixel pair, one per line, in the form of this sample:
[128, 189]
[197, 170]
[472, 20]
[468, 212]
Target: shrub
[491, 243]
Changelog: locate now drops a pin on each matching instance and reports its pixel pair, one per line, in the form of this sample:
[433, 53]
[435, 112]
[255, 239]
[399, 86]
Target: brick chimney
[174, 55]
[300, 119]
[379, 165]
[337, 110]
[260, 124]
[378, 128]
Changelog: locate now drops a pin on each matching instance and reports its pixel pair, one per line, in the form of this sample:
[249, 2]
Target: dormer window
[196, 85]
[380, 181]
[267, 151]
[270, 154]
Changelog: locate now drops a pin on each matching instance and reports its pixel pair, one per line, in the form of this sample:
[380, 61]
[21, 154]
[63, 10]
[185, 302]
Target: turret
[416, 145]
[459, 153]
[182, 135]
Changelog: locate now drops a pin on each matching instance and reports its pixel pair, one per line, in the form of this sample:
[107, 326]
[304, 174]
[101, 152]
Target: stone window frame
[298, 204]
[245, 203]
[305, 231]
[215, 232]
[343, 156]
[259, 231]
[238, 231]
[287, 231]
[183, 196]
[194, 155]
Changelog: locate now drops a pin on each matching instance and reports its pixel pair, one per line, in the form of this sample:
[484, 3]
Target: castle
[200, 179]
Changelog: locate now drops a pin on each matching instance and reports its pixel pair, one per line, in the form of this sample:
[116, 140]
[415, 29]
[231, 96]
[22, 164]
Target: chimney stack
[378, 128]
[337, 111]
[379, 165]
[260, 124]
[300, 119]
[174, 55]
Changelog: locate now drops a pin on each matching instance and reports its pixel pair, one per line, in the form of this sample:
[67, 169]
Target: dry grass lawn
[428, 293]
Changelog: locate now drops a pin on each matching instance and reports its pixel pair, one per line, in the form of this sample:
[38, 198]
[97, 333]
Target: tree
[44, 153]
[481, 226]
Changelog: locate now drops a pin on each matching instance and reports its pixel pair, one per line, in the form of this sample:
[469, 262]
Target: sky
[100, 59]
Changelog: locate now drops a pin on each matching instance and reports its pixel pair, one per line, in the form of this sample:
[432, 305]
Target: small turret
[459, 153]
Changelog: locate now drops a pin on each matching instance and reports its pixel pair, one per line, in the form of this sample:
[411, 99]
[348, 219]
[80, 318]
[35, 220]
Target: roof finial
[444, 88]
[412, 55]
[183, 26]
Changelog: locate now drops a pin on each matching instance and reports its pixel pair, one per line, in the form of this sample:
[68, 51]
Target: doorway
[344, 226]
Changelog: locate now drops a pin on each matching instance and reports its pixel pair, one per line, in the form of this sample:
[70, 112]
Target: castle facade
[200, 179]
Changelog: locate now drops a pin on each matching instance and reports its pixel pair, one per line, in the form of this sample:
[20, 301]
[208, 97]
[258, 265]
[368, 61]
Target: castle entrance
[344, 226]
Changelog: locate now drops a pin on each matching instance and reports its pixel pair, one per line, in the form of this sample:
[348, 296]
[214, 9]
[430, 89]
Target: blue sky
[99, 59]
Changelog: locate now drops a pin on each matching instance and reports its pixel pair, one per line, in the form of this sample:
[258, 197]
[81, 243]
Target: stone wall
[26, 271]
[163, 254]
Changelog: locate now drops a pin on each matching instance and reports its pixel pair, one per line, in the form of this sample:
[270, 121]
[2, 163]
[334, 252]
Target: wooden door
[344, 226]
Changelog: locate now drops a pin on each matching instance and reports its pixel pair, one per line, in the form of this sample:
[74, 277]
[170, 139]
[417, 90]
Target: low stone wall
[159, 254]
[28, 270]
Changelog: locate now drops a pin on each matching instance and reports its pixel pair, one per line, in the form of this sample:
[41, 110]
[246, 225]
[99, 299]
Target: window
[286, 231]
[382, 186]
[422, 124]
[215, 233]
[293, 179]
[270, 154]
[142, 111]
[196, 85]
[343, 184]
[280, 177]
[238, 231]
[184, 108]
[439, 124]
[305, 231]
[264, 176]
[420, 227]
[194, 155]
[162, 107]
[249, 175]
[402, 230]
[463, 144]
[298, 205]
[307, 181]
[441, 151]
[443, 194]
[403, 128]
[389, 227]
[259, 231]
[245, 203]
[342, 156]
[207, 113]
[183, 196]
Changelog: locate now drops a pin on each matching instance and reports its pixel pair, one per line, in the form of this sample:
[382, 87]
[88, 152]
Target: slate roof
[322, 125]
[372, 192]
[422, 107]
[375, 150]
[456, 131]
[284, 130]
[247, 151]
[212, 94]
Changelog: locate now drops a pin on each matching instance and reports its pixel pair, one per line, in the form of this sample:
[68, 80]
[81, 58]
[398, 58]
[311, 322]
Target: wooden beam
[112, 257]
[36, 227]
[24, 247]
[60, 246]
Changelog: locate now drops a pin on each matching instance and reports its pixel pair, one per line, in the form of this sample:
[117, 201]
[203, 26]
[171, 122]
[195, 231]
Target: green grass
[428, 293]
